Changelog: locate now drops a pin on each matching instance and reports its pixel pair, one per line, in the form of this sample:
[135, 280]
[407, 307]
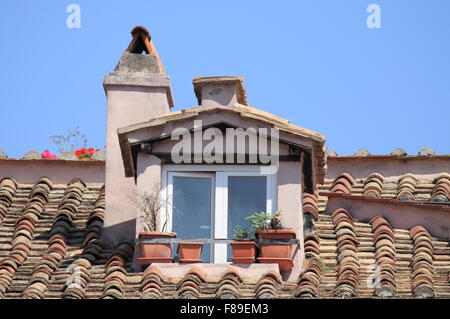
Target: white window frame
[169, 208]
[219, 209]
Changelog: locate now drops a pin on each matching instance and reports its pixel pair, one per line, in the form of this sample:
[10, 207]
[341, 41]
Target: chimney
[136, 91]
[219, 91]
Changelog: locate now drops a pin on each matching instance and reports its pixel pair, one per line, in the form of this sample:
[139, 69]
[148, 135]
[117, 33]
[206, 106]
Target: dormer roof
[313, 142]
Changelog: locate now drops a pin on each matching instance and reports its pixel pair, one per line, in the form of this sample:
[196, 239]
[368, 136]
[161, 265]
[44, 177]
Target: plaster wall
[149, 170]
[126, 105]
[218, 95]
[388, 167]
[58, 171]
[290, 204]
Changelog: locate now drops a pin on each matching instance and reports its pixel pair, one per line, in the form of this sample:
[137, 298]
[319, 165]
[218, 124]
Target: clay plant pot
[276, 253]
[155, 252]
[244, 252]
[189, 252]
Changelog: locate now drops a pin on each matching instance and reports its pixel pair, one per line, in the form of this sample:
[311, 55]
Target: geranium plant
[48, 154]
[86, 152]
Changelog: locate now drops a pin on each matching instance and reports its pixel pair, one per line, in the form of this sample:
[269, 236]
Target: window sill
[247, 272]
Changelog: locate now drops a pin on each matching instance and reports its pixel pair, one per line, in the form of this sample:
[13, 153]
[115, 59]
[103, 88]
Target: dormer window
[209, 201]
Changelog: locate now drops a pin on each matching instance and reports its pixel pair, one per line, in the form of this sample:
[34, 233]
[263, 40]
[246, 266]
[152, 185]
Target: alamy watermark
[228, 146]
[374, 19]
[74, 279]
[374, 279]
[73, 21]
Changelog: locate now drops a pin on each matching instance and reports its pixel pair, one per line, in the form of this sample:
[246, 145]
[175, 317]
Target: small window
[210, 202]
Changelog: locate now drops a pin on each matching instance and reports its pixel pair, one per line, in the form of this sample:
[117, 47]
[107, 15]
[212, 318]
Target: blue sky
[314, 62]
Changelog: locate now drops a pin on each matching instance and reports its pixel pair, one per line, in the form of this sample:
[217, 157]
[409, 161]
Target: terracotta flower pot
[189, 252]
[276, 253]
[244, 252]
[155, 252]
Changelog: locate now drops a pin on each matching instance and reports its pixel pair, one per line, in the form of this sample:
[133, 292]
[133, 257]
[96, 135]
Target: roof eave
[245, 112]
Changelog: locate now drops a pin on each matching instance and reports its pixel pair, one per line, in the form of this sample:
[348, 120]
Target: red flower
[47, 154]
[86, 152]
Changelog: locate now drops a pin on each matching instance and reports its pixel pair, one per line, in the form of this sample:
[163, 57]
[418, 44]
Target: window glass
[246, 196]
[191, 211]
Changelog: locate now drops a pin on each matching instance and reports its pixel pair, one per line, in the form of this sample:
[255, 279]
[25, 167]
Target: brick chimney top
[141, 55]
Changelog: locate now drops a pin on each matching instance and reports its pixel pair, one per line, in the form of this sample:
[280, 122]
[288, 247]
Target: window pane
[192, 209]
[246, 196]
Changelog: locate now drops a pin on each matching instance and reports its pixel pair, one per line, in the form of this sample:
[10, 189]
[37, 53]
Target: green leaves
[239, 233]
[260, 221]
[264, 221]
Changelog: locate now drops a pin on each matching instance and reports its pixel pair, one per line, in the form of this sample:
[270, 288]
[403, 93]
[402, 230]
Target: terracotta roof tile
[373, 185]
[410, 263]
[22, 235]
[309, 280]
[268, 286]
[407, 187]
[152, 281]
[310, 204]
[116, 274]
[385, 255]
[348, 262]
[229, 284]
[190, 286]
[342, 183]
[56, 229]
[441, 189]
[422, 262]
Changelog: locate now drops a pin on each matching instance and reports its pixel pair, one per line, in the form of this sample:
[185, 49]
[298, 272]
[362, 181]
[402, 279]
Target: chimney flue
[140, 56]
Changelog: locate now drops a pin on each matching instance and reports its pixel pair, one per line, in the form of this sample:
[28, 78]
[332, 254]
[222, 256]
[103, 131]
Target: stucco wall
[58, 171]
[126, 104]
[148, 178]
[290, 204]
[393, 167]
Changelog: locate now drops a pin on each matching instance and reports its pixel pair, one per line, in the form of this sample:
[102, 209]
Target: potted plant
[268, 227]
[189, 252]
[244, 250]
[150, 204]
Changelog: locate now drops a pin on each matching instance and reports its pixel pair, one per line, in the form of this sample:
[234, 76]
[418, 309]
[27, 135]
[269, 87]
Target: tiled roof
[49, 248]
[353, 254]
[44, 229]
[408, 187]
[410, 263]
